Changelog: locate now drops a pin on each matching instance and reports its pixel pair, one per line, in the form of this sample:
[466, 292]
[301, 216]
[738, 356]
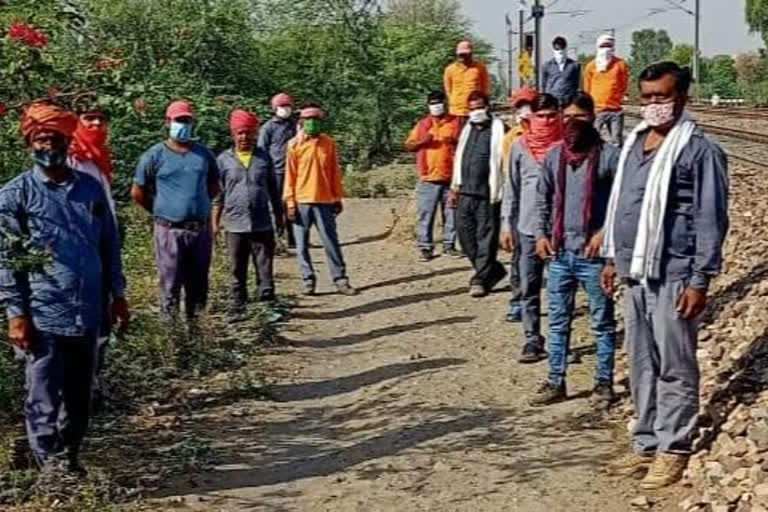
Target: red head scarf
[43, 116]
[281, 100]
[91, 144]
[240, 119]
[544, 134]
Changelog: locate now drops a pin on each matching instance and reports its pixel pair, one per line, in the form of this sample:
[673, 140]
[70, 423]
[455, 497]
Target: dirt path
[407, 398]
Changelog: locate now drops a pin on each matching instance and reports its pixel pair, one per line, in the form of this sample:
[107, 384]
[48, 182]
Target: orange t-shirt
[312, 172]
[435, 160]
[607, 87]
[461, 80]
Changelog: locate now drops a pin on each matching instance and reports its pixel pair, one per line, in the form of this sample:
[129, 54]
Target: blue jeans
[322, 216]
[566, 273]
[429, 197]
[59, 376]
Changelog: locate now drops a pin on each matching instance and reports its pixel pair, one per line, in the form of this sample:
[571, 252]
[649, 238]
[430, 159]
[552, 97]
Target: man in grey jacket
[561, 74]
[248, 187]
[665, 296]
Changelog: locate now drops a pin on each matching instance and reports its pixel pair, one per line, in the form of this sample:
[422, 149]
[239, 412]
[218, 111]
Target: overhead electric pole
[522, 40]
[538, 13]
[697, 51]
[510, 53]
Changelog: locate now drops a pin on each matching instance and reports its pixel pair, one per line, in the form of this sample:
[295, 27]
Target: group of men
[561, 189]
[61, 311]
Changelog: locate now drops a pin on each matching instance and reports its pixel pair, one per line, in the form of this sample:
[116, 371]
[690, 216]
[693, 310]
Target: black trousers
[242, 247]
[477, 223]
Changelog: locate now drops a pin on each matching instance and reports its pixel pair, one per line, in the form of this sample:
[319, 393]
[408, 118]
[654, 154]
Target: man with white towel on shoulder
[665, 226]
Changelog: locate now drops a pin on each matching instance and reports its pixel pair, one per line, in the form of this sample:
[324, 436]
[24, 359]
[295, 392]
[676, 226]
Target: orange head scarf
[91, 144]
[44, 116]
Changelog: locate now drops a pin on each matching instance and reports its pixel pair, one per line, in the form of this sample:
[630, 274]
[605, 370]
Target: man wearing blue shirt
[54, 306]
[175, 181]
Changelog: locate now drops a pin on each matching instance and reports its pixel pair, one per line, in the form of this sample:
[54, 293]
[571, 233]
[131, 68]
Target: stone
[641, 502]
[758, 433]
[730, 463]
[761, 490]
[732, 494]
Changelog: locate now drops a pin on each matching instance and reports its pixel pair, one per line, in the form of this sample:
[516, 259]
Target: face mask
[605, 53]
[522, 113]
[283, 112]
[312, 127]
[559, 55]
[478, 116]
[180, 132]
[658, 114]
[579, 134]
[48, 158]
[437, 109]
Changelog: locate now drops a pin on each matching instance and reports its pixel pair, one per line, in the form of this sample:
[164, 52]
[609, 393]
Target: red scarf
[542, 136]
[91, 144]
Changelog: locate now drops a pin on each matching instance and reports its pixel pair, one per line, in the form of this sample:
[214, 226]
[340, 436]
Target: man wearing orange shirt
[464, 77]
[434, 138]
[606, 79]
[312, 193]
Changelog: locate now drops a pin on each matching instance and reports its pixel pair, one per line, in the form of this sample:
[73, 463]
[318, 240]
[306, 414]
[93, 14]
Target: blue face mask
[181, 132]
[47, 158]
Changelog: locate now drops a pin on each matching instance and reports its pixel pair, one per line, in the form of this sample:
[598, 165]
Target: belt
[189, 225]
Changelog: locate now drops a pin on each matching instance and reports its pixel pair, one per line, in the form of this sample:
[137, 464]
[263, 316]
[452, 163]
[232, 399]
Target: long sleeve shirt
[312, 172]
[437, 156]
[696, 220]
[564, 84]
[246, 193]
[518, 205]
[575, 234]
[607, 87]
[274, 137]
[73, 224]
[460, 80]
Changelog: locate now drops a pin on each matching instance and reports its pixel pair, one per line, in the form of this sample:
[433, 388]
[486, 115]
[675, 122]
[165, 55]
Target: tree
[723, 76]
[682, 54]
[756, 12]
[648, 46]
[750, 68]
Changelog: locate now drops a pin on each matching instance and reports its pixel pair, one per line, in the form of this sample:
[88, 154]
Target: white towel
[646, 257]
[495, 179]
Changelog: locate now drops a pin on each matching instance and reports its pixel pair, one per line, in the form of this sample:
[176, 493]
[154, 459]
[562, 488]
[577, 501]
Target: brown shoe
[630, 464]
[667, 468]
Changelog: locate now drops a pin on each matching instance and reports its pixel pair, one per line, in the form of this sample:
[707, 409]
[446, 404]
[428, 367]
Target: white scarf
[495, 179]
[646, 257]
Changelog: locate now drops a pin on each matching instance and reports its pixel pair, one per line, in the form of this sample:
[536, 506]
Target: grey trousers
[664, 373]
[258, 246]
[531, 275]
[323, 217]
[613, 122]
[429, 197]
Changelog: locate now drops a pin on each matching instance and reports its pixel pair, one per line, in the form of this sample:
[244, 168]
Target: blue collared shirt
[71, 222]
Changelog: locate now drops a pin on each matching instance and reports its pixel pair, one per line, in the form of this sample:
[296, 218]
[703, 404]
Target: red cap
[523, 95]
[178, 109]
[281, 100]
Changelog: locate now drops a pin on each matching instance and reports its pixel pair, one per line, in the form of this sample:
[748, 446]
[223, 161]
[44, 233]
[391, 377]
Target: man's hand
[544, 248]
[338, 208]
[453, 199]
[608, 279]
[691, 303]
[426, 140]
[507, 241]
[121, 314]
[594, 245]
[20, 331]
[215, 231]
[290, 212]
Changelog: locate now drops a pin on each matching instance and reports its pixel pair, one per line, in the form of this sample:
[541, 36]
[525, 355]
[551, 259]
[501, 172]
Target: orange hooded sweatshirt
[461, 80]
[608, 87]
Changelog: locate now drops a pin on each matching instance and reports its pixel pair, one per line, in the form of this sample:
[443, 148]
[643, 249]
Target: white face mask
[478, 116]
[559, 55]
[522, 112]
[283, 112]
[437, 109]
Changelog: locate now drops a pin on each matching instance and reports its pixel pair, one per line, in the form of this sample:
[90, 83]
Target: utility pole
[538, 13]
[697, 51]
[510, 54]
[522, 39]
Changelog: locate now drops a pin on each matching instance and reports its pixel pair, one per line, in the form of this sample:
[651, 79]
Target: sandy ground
[407, 397]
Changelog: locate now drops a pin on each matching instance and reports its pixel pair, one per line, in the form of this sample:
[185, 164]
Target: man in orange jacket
[606, 79]
[434, 138]
[464, 77]
[312, 193]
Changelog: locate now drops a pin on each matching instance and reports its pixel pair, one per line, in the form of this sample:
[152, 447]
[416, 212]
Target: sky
[723, 29]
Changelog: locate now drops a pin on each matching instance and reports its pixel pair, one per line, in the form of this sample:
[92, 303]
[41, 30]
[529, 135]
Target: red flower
[28, 35]
[3, 109]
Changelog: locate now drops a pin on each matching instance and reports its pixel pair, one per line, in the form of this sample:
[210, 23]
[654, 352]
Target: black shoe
[602, 395]
[267, 296]
[425, 255]
[76, 468]
[549, 394]
[532, 354]
[497, 274]
[309, 288]
[450, 252]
